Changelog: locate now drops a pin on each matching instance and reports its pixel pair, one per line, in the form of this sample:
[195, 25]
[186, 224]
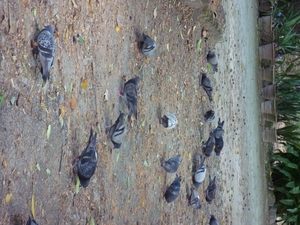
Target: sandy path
[129, 184]
[243, 166]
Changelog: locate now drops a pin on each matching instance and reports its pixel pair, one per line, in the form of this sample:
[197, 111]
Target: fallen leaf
[14, 58]
[33, 44]
[71, 87]
[48, 171]
[62, 109]
[32, 206]
[128, 182]
[117, 28]
[168, 46]
[106, 95]
[143, 123]
[1, 98]
[117, 158]
[84, 84]
[48, 131]
[8, 197]
[81, 40]
[33, 12]
[146, 163]
[61, 121]
[25, 2]
[73, 103]
[38, 167]
[155, 12]
[198, 44]
[92, 222]
[77, 185]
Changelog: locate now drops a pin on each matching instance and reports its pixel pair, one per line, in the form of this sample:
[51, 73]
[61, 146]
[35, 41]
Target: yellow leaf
[32, 206]
[73, 103]
[235, 150]
[118, 28]
[8, 197]
[84, 84]
[190, 156]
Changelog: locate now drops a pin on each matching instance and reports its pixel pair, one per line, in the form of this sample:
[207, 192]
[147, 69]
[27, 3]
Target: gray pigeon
[146, 45]
[172, 164]
[129, 94]
[194, 200]
[46, 50]
[87, 163]
[219, 145]
[31, 222]
[169, 121]
[211, 190]
[212, 59]
[218, 132]
[209, 145]
[213, 220]
[173, 190]
[200, 173]
[209, 116]
[117, 132]
[206, 85]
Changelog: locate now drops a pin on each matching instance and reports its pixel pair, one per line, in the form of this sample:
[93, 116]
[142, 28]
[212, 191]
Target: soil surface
[96, 47]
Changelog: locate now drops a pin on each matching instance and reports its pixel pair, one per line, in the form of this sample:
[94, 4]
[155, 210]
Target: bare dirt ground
[129, 183]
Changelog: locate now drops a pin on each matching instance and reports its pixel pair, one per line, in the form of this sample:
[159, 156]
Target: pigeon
[209, 116]
[169, 121]
[209, 145]
[87, 163]
[146, 45]
[129, 95]
[212, 59]
[219, 145]
[194, 200]
[211, 190]
[206, 85]
[173, 190]
[172, 164]
[117, 131]
[31, 222]
[200, 173]
[46, 50]
[218, 132]
[213, 220]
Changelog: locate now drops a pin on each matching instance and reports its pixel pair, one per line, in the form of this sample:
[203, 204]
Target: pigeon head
[84, 182]
[50, 29]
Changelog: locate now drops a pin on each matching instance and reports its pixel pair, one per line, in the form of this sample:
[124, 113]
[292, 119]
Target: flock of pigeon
[85, 165]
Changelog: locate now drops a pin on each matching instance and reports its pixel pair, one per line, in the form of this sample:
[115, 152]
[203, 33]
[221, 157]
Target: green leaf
[294, 210]
[287, 202]
[33, 12]
[71, 87]
[295, 191]
[81, 40]
[38, 167]
[143, 123]
[117, 158]
[198, 44]
[290, 184]
[48, 131]
[48, 171]
[92, 222]
[77, 185]
[146, 163]
[1, 98]
[12, 100]
[128, 182]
